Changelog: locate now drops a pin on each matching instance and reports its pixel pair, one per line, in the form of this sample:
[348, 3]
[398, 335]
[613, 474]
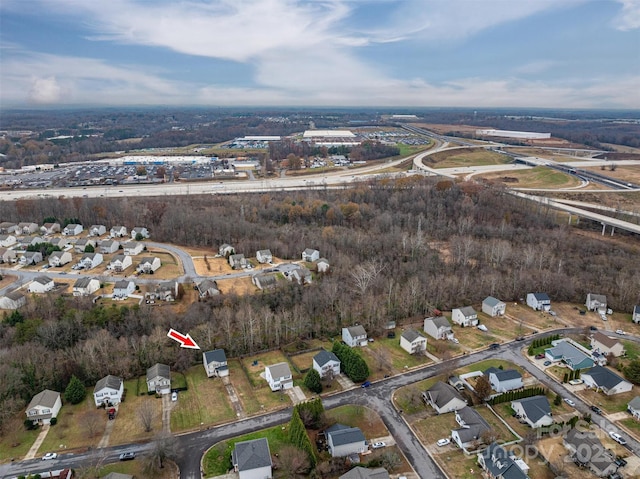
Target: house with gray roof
[443, 398]
[59, 258]
[97, 230]
[13, 300]
[465, 316]
[504, 380]
[278, 376]
[7, 240]
[264, 280]
[493, 306]
[634, 407]
[44, 406]
[413, 342]
[438, 327]
[123, 288]
[326, 363]
[41, 284]
[535, 411]
[82, 243]
[252, 459]
[31, 258]
[354, 336]
[586, 450]
[159, 379]
[7, 255]
[118, 231]
[366, 473]
[109, 246]
[139, 230]
[605, 380]
[569, 354]
[50, 228]
[72, 229]
[345, 440]
[238, 261]
[596, 302]
[310, 255]
[208, 288]
[472, 427]
[606, 345]
[264, 256]
[215, 363]
[86, 286]
[498, 463]
[539, 301]
[28, 228]
[108, 390]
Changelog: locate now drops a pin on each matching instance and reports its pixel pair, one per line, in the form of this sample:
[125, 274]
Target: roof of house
[117, 227]
[279, 370]
[467, 311]
[252, 454]
[206, 285]
[237, 257]
[72, 226]
[535, 407]
[503, 375]
[491, 301]
[635, 403]
[357, 330]
[134, 244]
[83, 282]
[122, 284]
[603, 377]
[411, 335]
[97, 226]
[14, 295]
[568, 352]
[636, 309]
[324, 356]
[90, 256]
[310, 251]
[500, 463]
[601, 298]
[84, 241]
[217, 355]
[440, 321]
[109, 381]
[366, 473]
[605, 340]
[161, 370]
[341, 434]
[31, 254]
[148, 259]
[475, 424]
[58, 254]
[42, 279]
[139, 229]
[46, 398]
[266, 279]
[119, 257]
[265, 252]
[595, 453]
[107, 243]
[541, 296]
[442, 393]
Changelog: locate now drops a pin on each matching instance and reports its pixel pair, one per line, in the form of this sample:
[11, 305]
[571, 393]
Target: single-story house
[605, 380]
[31, 258]
[60, 242]
[366, 473]
[438, 327]
[13, 300]
[412, 341]
[606, 345]
[472, 427]
[109, 246]
[465, 316]
[635, 315]
[28, 228]
[226, 250]
[499, 463]
[443, 398]
[91, 260]
[215, 363]
[50, 228]
[208, 288]
[354, 336]
[44, 406]
[123, 289]
[322, 265]
[237, 261]
[60, 258]
[569, 354]
[139, 230]
[493, 306]
[504, 380]
[82, 244]
[278, 376]
[118, 231]
[264, 280]
[159, 379]
[634, 407]
[7, 240]
[120, 262]
[108, 390]
[344, 440]
[97, 230]
[596, 302]
[252, 459]
[149, 264]
[326, 363]
[310, 255]
[165, 291]
[7, 255]
[539, 301]
[86, 286]
[41, 284]
[586, 450]
[72, 230]
[264, 256]
[133, 248]
[535, 411]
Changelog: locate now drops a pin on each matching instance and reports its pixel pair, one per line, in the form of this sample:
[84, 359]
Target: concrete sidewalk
[38, 442]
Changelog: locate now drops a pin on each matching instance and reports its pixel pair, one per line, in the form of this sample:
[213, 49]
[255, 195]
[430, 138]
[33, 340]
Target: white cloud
[44, 91]
[629, 17]
[535, 67]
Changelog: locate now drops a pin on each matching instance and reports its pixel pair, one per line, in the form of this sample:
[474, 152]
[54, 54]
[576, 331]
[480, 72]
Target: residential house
[366, 473]
[344, 440]
[252, 459]
[12, 300]
[465, 316]
[438, 327]
[310, 255]
[493, 306]
[149, 265]
[165, 291]
[264, 256]
[50, 228]
[31, 258]
[60, 242]
[635, 316]
[606, 345]
[569, 354]
[41, 284]
[7, 240]
[413, 342]
[586, 450]
[535, 411]
[122, 289]
[499, 463]
[472, 427]
[90, 260]
[302, 275]
[28, 228]
[7, 227]
[443, 398]
[108, 391]
[596, 302]
[159, 379]
[226, 250]
[278, 376]
[208, 288]
[72, 230]
[7, 255]
[354, 336]
[539, 301]
[86, 286]
[605, 380]
[322, 265]
[264, 281]
[30, 241]
[326, 363]
[215, 363]
[109, 246]
[119, 263]
[634, 407]
[118, 231]
[139, 230]
[237, 261]
[133, 248]
[59, 258]
[504, 380]
[97, 230]
[44, 406]
[82, 244]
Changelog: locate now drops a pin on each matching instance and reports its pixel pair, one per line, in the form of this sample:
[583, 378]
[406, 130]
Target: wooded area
[396, 249]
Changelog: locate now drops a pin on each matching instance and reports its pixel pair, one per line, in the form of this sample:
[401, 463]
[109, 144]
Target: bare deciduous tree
[146, 414]
[293, 462]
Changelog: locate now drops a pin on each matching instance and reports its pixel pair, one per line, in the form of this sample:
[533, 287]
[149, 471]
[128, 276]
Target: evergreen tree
[312, 381]
[75, 391]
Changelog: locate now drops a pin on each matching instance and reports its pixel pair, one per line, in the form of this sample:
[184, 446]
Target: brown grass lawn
[171, 268]
[468, 157]
[552, 450]
[488, 363]
[388, 351]
[16, 441]
[531, 320]
[504, 435]
[538, 177]
[614, 403]
[254, 399]
[409, 398]
[136, 469]
[237, 285]
[304, 361]
[622, 172]
[457, 465]
[128, 427]
[359, 416]
[473, 338]
[7, 279]
[217, 266]
[261, 361]
[205, 402]
[435, 427]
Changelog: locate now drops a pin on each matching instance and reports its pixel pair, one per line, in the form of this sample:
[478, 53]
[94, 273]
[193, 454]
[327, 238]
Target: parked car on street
[127, 456]
[618, 438]
[596, 409]
[366, 384]
[547, 363]
[50, 455]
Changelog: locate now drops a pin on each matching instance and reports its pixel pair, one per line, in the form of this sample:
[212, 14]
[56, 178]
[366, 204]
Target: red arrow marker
[184, 340]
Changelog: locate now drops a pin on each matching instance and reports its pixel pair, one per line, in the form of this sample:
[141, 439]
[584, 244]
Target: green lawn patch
[16, 441]
[632, 349]
[611, 404]
[78, 425]
[359, 416]
[468, 157]
[178, 380]
[489, 363]
[409, 398]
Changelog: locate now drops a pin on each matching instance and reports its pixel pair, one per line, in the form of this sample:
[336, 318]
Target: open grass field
[205, 403]
[171, 267]
[217, 266]
[465, 157]
[15, 441]
[304, 361]
[136, 469]
[629, 173]
[239, 286]
[538, 177]
[435, 427]
[491, 363]
[359, 416]
[472, 338]
[128, 427]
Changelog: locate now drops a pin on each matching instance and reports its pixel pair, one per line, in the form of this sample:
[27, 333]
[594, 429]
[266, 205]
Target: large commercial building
[523, 135]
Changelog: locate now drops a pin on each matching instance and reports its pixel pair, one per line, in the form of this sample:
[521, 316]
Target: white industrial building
[523, 135]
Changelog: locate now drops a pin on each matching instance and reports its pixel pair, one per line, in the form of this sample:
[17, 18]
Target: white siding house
[635, 316]
[149, 265]
[120, 262]
[605, 380]
[139, 230]
[539, 301]
[343, 440]
[50, 228]
[44, 406]
[31, 258]
[252, 459]
[159, 379]
[465, 316]
[413, 342]
[108, 391]
[133, 248]
[278, 376]
[596, 302]
[438, 327]
[41, 284]
[603, 344]
[60, 258]
[215, 363]
[12, 300]
[633, 407]
[7, 240]
[72, 230]
[109, 246]
[86, 286]
[97, 230]
[493, 306]
[91, 260]
[310, 255]
[118, 231]
[326, 363]
[504, 380]
[122, 289]
[264, 256]
[354, 336]
[443, 398]
[535, 411]
[82, 243]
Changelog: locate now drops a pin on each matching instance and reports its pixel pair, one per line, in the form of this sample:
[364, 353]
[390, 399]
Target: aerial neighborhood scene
[326, 240]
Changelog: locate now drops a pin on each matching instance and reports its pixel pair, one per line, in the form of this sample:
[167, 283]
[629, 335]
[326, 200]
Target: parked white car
[443, 442]
[482, 327]
[620, 331]
[618, 438]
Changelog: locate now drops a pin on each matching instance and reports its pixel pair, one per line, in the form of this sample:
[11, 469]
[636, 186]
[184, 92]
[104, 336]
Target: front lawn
[409, 398]
[613, 403]
[385, 356]
[254, 399]
[490, 363]
[128, 425]
[15, 441]
[359, 416]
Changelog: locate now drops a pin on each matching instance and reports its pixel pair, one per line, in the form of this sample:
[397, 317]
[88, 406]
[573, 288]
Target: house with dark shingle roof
[465, 316]
[443, 398]
[215, 363]
[504, 380]
[493, 306]
[472, 427]
[252, 459]
[605, 380]
[44, 406]
[535, 411]
[264, 256]
[596, 302]
[539, 301]
[606, 345]
[498, 463]
[354, 336]
[159, 379]
[412, 341]
[569, 354]
[278, 376]
[345, 440]
[108, 390]
[438, 327]
[366, 473]
[586, 450]
[326, 362]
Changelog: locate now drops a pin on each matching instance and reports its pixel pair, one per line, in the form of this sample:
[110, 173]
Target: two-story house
[41, 284]
[133, 248]
[354, 336]
[119, 263]
[90, 260]
[413, 342]
[149, 265]
[108, 391]
[326, 363]
[278, 376]
[109, 246]
[596, 302]
[86, 286]
[72, 230]
[159, 379]
[344, 440]
[606, 345]
[97, 230]
[539, 301]
[438, 327]
[252, 459]
[443, 398]
[504, 380]
[493, 306]
[59, 258]
[141, 231]
[82, 244]
[264, 256]
[123, 288]
[535, 411]
[215, 363]
[118, 231]
[44, 406]
[310, 255]
[465, 316]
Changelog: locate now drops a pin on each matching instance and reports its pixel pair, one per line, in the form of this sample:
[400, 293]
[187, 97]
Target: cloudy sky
[478, 53]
